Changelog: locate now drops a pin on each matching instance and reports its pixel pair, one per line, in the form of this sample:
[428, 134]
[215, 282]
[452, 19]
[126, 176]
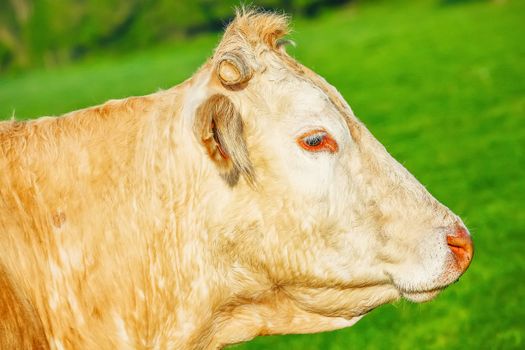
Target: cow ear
[219, 126]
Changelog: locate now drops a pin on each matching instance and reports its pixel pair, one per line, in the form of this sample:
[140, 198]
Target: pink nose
[461, 245]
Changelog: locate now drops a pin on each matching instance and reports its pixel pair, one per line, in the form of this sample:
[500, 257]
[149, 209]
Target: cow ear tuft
[219, 127]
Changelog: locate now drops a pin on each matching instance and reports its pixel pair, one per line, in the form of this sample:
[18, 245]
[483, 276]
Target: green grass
[442, 85]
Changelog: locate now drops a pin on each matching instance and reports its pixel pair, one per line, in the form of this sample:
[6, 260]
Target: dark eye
[318, 141]
[315, 139]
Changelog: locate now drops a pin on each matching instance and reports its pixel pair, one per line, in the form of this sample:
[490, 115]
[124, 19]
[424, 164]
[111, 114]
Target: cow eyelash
[318, 141]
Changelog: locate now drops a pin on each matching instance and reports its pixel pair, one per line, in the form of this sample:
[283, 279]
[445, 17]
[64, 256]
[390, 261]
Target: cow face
[328, 216]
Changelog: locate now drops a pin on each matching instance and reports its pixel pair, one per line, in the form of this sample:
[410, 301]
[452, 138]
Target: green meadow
[442, 85]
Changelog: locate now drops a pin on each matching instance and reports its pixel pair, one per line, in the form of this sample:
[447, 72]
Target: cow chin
[427, 292]
[422, 292]
[422, 296]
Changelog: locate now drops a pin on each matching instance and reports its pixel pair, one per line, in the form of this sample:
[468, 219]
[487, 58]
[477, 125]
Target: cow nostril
[460, 243]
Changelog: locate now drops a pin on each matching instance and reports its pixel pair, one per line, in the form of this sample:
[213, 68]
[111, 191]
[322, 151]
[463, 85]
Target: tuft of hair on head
[252, 30]
[257, 25]
[252, 27]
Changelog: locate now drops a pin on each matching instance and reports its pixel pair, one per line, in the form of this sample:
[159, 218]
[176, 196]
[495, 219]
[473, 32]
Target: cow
[248, 200]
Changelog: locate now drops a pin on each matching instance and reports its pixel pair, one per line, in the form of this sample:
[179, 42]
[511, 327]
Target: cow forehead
[306, 91]
[298, 98]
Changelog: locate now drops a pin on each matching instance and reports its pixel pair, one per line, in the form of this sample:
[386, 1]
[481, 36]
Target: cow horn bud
[232, 70]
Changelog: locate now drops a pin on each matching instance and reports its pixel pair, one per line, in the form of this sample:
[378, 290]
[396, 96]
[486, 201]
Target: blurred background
[441, 83]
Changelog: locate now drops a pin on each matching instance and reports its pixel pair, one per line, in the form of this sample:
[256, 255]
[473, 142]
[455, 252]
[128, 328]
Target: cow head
[309, 213]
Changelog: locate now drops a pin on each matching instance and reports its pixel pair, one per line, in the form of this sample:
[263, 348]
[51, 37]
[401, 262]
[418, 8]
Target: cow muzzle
[461, 246]
[461, 251]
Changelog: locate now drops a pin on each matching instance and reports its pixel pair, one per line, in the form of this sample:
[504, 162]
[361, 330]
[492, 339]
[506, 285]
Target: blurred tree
[50, 32]
[14, 15]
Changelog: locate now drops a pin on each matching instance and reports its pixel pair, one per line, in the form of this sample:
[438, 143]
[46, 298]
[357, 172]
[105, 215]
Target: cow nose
[460, 243]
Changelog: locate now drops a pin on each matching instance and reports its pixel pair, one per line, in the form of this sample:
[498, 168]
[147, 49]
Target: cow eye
[314, 140]
[317, 141]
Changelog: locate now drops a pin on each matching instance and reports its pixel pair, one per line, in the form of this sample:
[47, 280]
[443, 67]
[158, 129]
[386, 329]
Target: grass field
[442, 85]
